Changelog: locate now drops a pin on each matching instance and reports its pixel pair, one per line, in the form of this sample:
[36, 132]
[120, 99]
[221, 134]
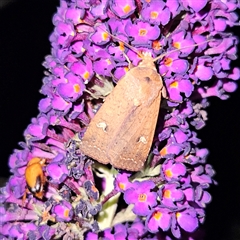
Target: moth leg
[128, 60]
[165, 99]
[113, 77]
[164, 93]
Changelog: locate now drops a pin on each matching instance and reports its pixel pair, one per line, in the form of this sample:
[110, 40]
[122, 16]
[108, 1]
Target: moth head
[147, 60]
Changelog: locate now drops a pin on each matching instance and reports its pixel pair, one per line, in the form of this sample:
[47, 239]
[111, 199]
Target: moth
[122, 131]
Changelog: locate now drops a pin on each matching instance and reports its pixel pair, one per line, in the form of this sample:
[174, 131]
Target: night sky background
[24, 30]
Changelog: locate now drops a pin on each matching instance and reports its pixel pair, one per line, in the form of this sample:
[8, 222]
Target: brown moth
[122, 131]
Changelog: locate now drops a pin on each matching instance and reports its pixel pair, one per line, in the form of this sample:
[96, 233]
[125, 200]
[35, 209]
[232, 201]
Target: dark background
[24, 30]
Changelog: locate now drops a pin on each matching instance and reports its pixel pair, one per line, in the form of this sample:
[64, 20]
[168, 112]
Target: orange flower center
[157, 215]
[174, 84]
[76, 88]
[121, 186]
[104, 36]
[121, 46]
[127, 8]
[142, 197]
[177, 45]
[154, 15]
[86, 75]
[167, 194]
[163, 152]
[168, 61]
[178, 215]
[168, 173]
[108, 61]
[66, 213]
[142, 32]
[156, 45]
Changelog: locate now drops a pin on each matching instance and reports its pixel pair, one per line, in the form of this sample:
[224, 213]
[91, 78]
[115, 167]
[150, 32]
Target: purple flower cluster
[90, 52]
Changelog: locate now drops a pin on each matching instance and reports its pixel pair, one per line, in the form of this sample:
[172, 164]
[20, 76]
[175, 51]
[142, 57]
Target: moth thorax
[147, 63]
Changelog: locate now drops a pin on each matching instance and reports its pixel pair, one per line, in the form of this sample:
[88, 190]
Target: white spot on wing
[102, 125]
[143, 140]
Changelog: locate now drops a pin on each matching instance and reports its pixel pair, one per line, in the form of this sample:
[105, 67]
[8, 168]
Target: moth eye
[147, 79]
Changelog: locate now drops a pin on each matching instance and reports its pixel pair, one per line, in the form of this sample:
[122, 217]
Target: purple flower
[38, 129]
[74, 14]
[99, 10]
[100, 36]
[123, 9]
[156, 13]
[202, 197]
[121, 182]
[202, 71]
[104, 66]
[142, 32]
[195, 6]
[173, 64]
[173, 171]
[140, 195]
[120, 72]
[171, 193]
[177, 87]
[57, 170]
[64, 33]
[72, 89]
[159, 218]
[59, 104]
[63, 211]
[187, 220]
[83, 69]
[183, 41]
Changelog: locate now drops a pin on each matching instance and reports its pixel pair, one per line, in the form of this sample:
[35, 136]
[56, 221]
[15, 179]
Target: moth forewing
[129, 150]
[96, 139]
[122, 131]
[131, 145]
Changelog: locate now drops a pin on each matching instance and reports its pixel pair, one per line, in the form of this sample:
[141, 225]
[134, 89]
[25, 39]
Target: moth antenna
[176, 50]
[125, 43]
